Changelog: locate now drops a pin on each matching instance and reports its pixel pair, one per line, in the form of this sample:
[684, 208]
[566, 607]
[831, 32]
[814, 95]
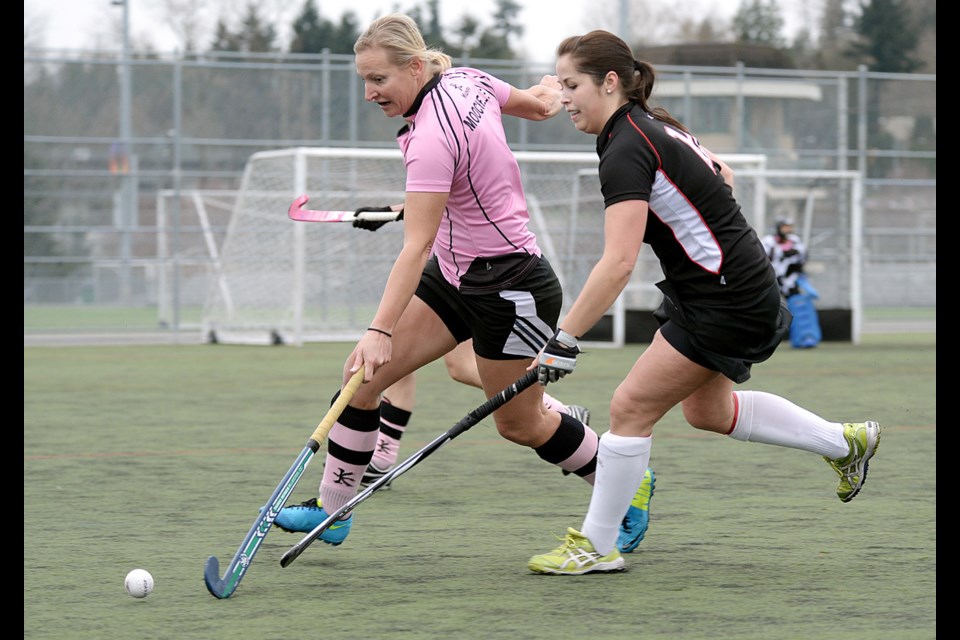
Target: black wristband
[386, 333]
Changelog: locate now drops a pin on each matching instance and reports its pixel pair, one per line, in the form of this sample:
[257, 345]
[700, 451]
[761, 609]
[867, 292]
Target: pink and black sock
[572, 447]
[349, 450]
[393, 422]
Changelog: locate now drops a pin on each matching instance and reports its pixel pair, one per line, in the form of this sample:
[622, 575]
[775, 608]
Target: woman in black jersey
[721, 309]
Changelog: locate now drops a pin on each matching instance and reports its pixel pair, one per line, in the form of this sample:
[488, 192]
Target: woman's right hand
[374, 350]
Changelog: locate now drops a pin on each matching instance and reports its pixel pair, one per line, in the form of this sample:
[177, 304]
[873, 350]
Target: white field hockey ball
[138, 583]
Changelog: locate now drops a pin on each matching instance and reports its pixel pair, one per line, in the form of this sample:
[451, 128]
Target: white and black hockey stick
[465, 423]
[225, 586]
[297, 212]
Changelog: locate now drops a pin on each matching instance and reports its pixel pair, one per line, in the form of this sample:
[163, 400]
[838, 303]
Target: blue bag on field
[805, 328]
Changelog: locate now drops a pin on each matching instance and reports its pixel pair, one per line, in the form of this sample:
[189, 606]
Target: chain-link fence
[106, 137]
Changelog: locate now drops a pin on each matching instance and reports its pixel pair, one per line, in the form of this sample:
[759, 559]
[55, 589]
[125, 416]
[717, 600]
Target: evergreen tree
[467, 35]
[254, 36]
[345, 34]
[223, 38]
[505, 20]
[759, 22]
[311, 33]
[492, 42]
[888, 37]
[836, 38]
[492, 45]
[431, 27]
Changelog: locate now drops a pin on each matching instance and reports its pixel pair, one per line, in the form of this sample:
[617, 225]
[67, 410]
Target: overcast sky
[95, 23]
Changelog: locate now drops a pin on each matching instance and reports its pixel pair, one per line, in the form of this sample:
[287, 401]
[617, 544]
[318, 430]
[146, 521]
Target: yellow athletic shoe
[575, 557]
[863, 438]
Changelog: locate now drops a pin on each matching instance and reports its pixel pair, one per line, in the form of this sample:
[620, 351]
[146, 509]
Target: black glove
[558, 357]
[373, 225]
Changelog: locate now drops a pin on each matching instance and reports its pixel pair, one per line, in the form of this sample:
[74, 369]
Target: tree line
[884, 35]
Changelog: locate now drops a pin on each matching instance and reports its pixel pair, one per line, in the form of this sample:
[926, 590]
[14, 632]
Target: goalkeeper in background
[787, 254]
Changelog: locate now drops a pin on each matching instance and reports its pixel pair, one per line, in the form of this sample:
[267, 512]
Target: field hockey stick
[465, 423]
[297, 212]
[225, 586]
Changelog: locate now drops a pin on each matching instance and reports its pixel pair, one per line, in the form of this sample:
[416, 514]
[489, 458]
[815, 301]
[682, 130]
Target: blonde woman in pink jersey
[469, 267]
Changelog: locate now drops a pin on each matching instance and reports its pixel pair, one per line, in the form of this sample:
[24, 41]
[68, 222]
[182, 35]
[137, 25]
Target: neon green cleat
[864, 438]
[575, 557]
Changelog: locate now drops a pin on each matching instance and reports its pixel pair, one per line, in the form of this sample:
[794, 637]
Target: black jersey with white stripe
[706, 247]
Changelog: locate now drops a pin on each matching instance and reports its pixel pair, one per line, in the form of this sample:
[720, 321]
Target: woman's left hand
[548, 93]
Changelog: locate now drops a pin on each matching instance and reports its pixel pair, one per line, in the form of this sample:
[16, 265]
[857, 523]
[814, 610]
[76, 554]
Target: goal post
[829, 208]
[189, 232]
[278, 281]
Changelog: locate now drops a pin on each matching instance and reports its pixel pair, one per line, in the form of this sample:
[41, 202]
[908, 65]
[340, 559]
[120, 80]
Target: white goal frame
[555, 217]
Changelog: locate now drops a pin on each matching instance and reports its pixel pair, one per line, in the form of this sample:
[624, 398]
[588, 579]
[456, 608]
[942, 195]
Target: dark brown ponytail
[599, 52]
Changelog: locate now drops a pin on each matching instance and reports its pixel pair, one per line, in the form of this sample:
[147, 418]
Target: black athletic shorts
[728, 340]
[508, 324]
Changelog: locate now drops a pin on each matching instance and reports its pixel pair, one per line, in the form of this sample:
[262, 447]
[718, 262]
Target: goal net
[278, 281]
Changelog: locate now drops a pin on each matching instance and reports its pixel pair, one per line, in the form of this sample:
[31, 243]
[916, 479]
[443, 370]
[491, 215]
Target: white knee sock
[769, 419]
[621, 463]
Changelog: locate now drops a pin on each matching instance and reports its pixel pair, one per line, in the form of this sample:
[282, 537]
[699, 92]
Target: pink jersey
[455, 143]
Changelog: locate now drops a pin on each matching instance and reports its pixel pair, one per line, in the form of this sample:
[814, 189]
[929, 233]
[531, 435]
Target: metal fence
[104, 135]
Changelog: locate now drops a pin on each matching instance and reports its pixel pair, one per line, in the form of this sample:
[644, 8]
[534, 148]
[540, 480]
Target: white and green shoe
[863, 438]
[575, 557]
